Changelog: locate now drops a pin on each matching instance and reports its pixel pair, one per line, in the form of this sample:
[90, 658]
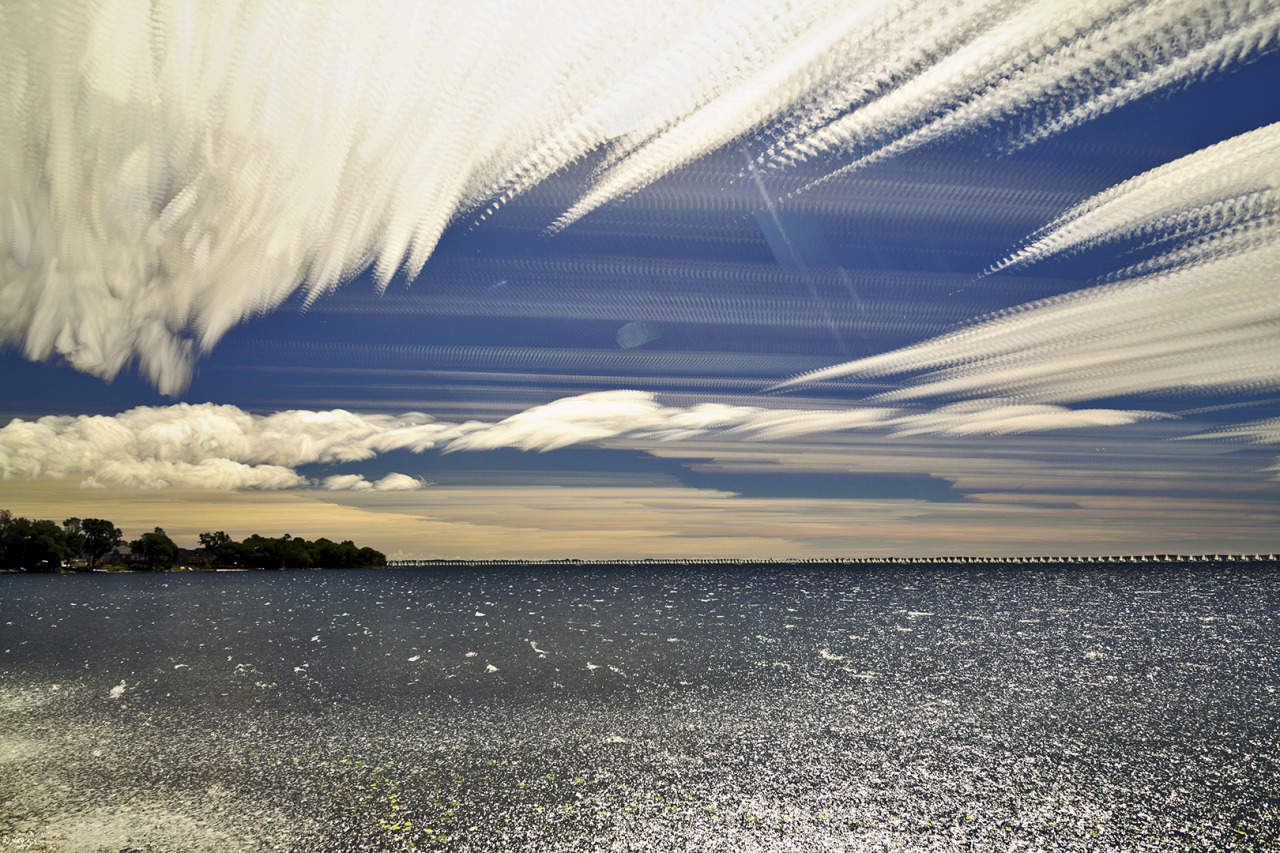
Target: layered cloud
[1228, 189]
[1264, 431]
[223, 447]
[1208, 327]
[637, 415]
[1198, 316]
[174, 167]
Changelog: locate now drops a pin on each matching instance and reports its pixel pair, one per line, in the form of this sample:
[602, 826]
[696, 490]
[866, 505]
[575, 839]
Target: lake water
[656, 708]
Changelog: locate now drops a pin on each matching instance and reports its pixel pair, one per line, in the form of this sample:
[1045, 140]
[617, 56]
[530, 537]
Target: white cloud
[209, 446]
[987, 62]
[1208, 325]
[222, 447]
[1198, 317]
[1265, 431]
[173, 168]
[357, 483]
[639, 416]
[595, 417]
[397, 483]
[982, 418]
[346, 483]
[1216, 187]
[216, 473]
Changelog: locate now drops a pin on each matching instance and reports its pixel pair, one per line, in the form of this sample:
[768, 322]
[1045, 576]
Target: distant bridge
[1135, 559]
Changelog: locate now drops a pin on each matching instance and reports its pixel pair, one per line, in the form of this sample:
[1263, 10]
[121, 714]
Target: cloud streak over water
[174, 168]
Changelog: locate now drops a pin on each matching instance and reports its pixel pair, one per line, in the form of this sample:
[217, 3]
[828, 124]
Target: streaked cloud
[223, 447]
[1204, 320]
[639, 416]
[1263, 431]
[1228, 189]
[1139, 460]
[594, 417]
[175, 168]
[1198, 316]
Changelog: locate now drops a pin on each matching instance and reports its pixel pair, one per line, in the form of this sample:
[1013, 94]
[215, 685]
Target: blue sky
[736, 285]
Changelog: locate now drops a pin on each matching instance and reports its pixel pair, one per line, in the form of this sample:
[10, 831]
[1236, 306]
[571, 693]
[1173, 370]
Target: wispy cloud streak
[1034, 64]
[1264, 431]
[1212, 190]
[173, 168]
[1205, 327]
[1198, 316]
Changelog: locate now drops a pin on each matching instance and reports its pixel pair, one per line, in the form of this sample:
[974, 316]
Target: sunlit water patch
[654, 708]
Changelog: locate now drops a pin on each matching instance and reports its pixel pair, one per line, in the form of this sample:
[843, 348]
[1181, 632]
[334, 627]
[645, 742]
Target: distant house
[121, 555]
[196, 558]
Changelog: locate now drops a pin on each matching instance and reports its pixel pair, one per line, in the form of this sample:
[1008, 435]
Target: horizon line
[1158, 557]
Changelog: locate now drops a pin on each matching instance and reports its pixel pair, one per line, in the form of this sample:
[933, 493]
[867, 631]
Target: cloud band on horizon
[223, 447]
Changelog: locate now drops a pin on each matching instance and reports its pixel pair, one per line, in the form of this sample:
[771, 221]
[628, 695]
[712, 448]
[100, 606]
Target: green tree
[73, 536]
[328, 554]
[32, 546]
[155, 549]
[293, 553]
[100, 538]
[286, 552]
[220, 547]
[257, 552]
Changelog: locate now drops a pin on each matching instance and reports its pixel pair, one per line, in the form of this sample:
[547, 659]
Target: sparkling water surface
[588, 707]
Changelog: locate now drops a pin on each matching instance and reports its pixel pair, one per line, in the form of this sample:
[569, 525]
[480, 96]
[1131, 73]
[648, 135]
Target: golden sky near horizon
[600, 522]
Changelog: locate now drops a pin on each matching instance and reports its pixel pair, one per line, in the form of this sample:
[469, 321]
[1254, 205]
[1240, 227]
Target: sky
[673, 279]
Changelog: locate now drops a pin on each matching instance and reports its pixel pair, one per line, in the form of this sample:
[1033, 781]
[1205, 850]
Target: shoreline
[1116, 560]
[1126, 560]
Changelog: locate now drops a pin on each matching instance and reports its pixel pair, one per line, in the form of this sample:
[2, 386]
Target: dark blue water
[643, 708]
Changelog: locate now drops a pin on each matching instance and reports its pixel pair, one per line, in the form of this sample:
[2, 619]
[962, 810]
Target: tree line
[86, 543]
[288, 552]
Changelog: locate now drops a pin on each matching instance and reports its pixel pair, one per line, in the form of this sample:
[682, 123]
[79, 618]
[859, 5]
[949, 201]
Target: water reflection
[625, 709]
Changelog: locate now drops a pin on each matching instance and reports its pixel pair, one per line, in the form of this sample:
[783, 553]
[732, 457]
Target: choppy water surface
[656, 708]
